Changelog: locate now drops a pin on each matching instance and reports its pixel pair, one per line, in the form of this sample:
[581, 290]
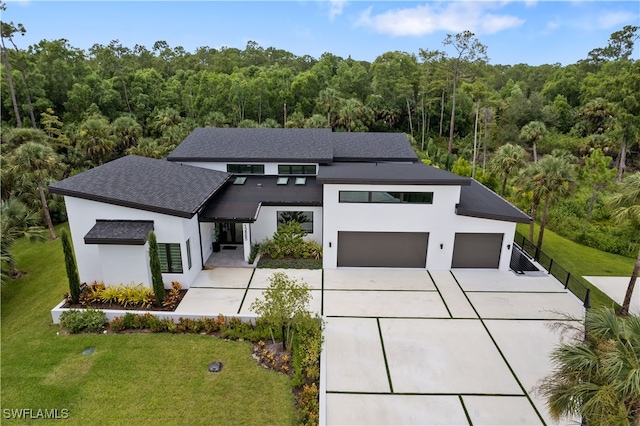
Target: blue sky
[532, 32]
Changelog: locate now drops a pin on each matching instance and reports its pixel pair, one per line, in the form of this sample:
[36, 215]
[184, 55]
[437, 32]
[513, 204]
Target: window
[282, 181]
[385, 197]
[189, 253]
[296, 169]
[301, 181]
[170, 258]
[305, 219]
[240, 180]
[246, 169]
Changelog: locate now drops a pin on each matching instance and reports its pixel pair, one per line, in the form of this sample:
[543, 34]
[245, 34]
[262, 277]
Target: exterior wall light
[508, 246]
[441, 246]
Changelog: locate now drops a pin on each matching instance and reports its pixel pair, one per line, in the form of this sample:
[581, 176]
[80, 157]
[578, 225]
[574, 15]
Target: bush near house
[132, 296]
[288, 241]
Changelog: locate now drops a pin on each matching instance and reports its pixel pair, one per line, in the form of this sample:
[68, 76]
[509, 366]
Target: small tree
[285, 299]
[156, 270]
[70, 265]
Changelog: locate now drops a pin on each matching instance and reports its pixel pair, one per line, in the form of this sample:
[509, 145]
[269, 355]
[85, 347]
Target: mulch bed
[119, 306]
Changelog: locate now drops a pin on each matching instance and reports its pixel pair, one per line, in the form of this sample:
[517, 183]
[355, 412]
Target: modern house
[364, 196]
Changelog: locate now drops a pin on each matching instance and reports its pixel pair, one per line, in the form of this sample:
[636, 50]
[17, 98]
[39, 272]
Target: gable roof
[476, 200]
[388, 174]
[354, 146]
[147, 184]
[250, 145]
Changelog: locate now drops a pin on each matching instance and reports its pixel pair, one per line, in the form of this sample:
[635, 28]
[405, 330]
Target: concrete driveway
[439, 348]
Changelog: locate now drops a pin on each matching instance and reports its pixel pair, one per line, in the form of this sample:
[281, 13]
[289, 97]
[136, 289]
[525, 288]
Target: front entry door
[230, 233]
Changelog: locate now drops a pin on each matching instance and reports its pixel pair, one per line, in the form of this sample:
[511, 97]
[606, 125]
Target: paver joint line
[246, 290]
[384, 355]
[441, 297]
[466, 413]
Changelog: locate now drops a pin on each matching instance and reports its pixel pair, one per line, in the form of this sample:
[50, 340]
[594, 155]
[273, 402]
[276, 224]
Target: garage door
[383, 249]
[477, 250]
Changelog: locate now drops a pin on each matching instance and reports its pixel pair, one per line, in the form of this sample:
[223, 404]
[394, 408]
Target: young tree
[626, 203]
[284, 300]
[70, 266]
[156, 270]
[37, 163]
[507, 160]
[597, 378]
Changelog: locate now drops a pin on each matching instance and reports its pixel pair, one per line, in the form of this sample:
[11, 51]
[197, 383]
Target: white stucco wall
[125, 264]
[206, 234]
[438, 219]
[82, 216]
[269, 168]
[267, 222]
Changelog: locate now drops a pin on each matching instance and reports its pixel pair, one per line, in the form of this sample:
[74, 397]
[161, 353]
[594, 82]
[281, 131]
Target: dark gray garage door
[383, 249]
[477, 250]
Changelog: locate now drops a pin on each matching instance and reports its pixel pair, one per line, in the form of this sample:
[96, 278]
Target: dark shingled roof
[353, 146]
[250, 145]
[476, 200]
[240, 203]
[388, 174]
[122, 232]
[147, 184]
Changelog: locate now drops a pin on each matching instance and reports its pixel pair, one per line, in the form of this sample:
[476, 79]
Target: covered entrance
[477, 250]
[383, 249]
[229, 232]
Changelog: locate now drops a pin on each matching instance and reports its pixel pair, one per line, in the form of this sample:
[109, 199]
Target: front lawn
[131, 378]
[582, 261]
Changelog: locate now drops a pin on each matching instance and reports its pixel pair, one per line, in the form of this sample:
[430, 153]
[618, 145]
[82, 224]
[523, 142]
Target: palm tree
[598, 377]
[34, 162]
[626, 203]
[16, 221]
[533, 133]
[558, 175]
[127, 132]
[508, 159]
[96, 139]
[550, 177]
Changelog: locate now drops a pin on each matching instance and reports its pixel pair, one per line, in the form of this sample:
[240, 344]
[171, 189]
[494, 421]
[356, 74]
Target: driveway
[439, 347]
[409, 346]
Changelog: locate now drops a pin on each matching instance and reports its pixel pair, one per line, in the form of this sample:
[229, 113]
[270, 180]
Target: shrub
[255, 249]
[109, 294]
[309, 405]
[117, 324]
[188, 325]
[76, 321]
[171, 300]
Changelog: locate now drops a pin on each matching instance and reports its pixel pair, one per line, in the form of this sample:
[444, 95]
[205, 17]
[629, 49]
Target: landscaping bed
[288, 262]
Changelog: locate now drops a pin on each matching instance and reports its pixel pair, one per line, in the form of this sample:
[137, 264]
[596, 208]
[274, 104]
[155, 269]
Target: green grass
[131, 378]
[582, 261]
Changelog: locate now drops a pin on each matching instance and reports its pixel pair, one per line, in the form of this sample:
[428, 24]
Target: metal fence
[570, 282]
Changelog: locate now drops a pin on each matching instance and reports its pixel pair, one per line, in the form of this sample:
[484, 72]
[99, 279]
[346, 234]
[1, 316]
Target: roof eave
[483, 215]
[118, 242]
[137, 206]
[369, 181]
[249, 160]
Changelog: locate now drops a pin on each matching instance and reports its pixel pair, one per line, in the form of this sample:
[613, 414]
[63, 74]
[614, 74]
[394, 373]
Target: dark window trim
[287, 169]
[401, 196]
[309, 213]
[246, 169]
[165, 248]
[189, 253]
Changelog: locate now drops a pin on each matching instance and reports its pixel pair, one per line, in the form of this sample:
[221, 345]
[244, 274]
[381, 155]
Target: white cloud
[336, 7]
[609, 20]
[432, 17]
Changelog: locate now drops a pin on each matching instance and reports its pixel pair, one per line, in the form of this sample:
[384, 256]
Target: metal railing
[570, 282]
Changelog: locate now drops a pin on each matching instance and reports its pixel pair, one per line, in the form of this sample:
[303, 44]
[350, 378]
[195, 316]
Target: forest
[560, 142]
